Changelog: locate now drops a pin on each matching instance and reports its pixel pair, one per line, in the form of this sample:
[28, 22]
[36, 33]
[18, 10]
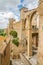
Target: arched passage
[29, 18]
[40, 46]
[34, 31]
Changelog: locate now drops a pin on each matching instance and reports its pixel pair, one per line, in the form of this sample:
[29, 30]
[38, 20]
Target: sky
[11, 9]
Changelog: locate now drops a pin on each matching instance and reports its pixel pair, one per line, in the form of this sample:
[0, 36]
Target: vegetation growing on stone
[2, 33]
[13, 33]
[15, 38]
[15, 41]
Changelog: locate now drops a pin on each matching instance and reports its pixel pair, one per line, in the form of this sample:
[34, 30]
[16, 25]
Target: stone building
[23, 26]
[4, 51]
[29, 23]
[40, 46]
[28, 28]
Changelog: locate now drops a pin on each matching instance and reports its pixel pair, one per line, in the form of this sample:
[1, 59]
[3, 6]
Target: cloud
[10, 9]
[6, 3]
[30, 4]
[6, 15]
[3, 25]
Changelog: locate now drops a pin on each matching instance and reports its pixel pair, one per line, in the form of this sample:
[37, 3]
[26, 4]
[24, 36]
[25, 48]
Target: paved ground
[22, 61]
[32, 60]
[17, 62]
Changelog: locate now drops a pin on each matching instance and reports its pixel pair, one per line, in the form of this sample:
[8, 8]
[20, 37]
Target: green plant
[15, 41]
[15, 38]
[13, 33]
[1, 30]
[2, 33]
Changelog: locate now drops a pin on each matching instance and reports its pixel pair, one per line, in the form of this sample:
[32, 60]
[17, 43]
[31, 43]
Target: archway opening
[34, 21]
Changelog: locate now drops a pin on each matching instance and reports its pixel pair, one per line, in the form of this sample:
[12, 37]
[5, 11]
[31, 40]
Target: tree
[2, 33]
[15, 38]
[15, 41]
[13, 33]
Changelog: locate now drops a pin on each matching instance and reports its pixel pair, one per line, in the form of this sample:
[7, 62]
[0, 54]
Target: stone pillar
[29, 37]
[40, 46]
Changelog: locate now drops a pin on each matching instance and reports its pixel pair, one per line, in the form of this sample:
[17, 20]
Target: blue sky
[11, 9]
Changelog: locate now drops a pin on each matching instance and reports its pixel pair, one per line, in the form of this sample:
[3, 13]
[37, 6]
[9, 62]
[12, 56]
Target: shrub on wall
[15, 38]
[15, 41]
[13, 33]
[3, 34]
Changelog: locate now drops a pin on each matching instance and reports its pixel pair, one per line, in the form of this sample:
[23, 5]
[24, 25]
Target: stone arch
[32, 15]
[31, 18]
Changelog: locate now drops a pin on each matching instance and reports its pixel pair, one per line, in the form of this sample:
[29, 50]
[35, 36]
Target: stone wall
[5, 58]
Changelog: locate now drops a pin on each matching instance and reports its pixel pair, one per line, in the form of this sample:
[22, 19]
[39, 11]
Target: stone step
[30, 61]
[17, 62]
[33, 60]
[24, 59]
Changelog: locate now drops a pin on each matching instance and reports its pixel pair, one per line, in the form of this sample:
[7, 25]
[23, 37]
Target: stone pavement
[32, 60]
[17, 62]
[25, 60]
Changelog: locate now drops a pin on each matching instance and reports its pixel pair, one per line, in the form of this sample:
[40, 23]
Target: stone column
[29, 37]
[40, 46]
